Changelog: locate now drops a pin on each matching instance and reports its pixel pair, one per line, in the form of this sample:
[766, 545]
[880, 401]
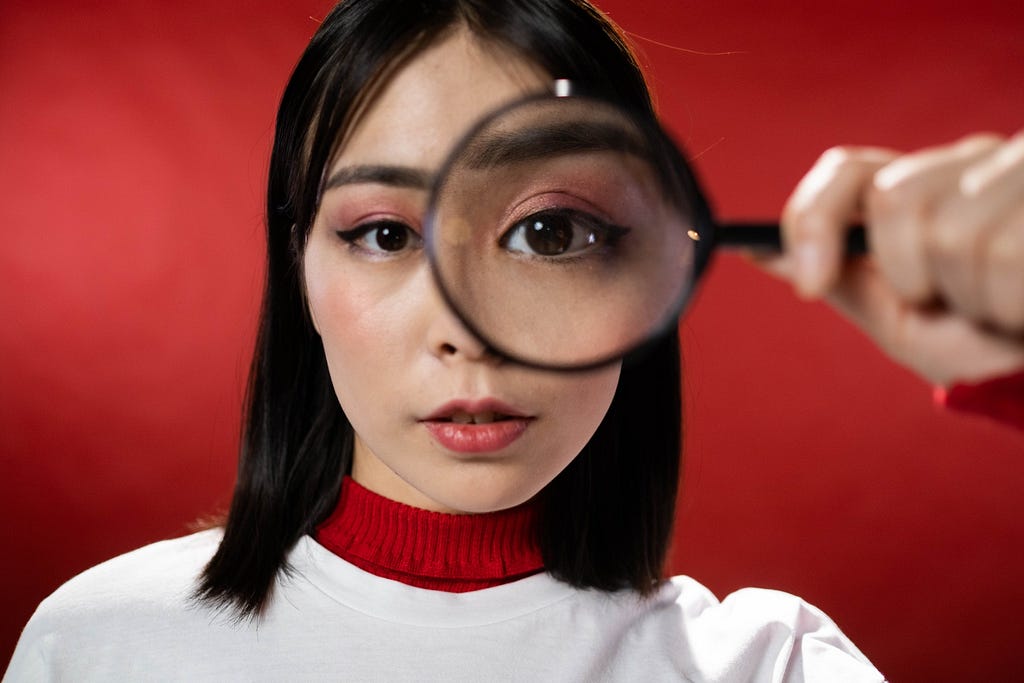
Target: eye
[382, 237]
[560, 233]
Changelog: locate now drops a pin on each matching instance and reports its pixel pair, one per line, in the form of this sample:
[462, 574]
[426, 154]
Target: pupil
[549, 236]
[392, 237]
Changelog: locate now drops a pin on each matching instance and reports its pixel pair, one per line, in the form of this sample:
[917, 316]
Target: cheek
[338, 307]
[596, 392]
[583, 402]
[364, 323]
[341, 310]
[351, 302]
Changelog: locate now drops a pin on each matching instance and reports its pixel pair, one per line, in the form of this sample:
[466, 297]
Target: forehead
[419, 113]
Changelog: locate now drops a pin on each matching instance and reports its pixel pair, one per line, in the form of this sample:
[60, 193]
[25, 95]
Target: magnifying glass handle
[766, 237]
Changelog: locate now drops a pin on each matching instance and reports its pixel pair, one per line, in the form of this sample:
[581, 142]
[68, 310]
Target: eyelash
[354, 236]
[606, 235]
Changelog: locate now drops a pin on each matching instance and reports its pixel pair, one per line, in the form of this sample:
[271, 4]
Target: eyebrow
[396, 176]
[501, 148]
[551, 140]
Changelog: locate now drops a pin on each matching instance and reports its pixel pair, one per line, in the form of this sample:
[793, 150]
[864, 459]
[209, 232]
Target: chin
[483, 492]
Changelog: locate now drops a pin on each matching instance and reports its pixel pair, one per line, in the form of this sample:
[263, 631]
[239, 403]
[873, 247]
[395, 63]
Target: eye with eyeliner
[381, 238]
[562, 235]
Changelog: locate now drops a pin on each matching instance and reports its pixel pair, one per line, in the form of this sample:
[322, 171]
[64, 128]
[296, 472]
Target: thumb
[776, 265]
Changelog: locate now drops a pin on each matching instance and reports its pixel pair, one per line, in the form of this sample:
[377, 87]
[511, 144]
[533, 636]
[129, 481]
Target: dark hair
[605, 521]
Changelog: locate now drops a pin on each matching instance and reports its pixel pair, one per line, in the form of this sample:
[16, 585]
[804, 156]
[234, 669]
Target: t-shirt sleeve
[999, 398]
[772, 636]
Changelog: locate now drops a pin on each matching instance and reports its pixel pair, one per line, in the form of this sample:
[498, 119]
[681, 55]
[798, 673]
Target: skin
[943, 292]
[395, 352]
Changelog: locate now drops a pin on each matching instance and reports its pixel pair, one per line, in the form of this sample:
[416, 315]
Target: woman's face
[439, 423]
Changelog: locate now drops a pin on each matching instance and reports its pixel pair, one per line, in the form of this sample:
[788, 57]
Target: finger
[939, 346]
[999, 178]
[996, 183]
[923, 230]
[1003, 275]
[958, 243]
[824, 204]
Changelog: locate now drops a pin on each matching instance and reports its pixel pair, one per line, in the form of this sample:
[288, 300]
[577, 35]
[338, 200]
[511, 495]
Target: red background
[133, 144]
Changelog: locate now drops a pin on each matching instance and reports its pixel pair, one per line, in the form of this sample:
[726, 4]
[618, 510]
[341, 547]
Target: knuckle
[1016, 142]
[904, 203]
[845, 159]
[897, 186]
[949, 241]
[837, 156]
[994, 170]
[879, 201]
[980, 141]
[1005, 263]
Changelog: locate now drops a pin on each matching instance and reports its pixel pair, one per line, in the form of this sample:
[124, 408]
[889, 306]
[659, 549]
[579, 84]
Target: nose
[448, 339]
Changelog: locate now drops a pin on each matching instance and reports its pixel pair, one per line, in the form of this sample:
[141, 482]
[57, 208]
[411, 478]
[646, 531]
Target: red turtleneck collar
[445, 552]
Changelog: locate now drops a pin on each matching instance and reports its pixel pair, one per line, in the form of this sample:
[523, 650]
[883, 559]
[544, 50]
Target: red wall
[133, 145]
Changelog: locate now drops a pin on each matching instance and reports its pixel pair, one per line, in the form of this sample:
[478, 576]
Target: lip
[481, 405]
[476, 438]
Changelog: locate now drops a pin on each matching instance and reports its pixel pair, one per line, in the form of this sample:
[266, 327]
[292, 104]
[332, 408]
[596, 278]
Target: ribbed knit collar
[447, 552]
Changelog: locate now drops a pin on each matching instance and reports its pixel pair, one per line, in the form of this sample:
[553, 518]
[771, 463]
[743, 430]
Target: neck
[435, 550]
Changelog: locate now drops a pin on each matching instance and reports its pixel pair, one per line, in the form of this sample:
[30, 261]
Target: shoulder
[759, 634]
[118, 599]
[683, 632]
[159, 572]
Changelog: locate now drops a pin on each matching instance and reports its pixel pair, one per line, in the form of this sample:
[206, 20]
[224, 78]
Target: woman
[361, 369]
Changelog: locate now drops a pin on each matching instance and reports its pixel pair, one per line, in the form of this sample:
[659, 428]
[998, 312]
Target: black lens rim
[689, 189]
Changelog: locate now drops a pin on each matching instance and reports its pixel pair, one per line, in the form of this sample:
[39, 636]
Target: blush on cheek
[351, 334]
[339, 297]
[351, 331]
[365, 317]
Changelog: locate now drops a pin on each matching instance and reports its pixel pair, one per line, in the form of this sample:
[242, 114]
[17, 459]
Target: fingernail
[810, 269]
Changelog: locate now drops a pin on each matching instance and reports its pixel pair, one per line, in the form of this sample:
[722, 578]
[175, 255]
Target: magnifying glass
[567, 232]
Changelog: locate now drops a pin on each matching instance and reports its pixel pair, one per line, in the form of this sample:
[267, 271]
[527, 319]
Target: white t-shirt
[132, 618]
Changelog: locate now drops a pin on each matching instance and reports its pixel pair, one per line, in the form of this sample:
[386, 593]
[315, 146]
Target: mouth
[476, 426]
[478, 411]
[465, 418]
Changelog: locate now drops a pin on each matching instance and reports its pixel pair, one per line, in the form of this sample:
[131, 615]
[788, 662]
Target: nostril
[447, 349]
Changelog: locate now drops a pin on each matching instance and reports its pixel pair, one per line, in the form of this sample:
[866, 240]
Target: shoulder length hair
[605, 521]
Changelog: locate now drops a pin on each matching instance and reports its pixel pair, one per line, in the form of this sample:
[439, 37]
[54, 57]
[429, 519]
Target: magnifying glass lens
[559, 233]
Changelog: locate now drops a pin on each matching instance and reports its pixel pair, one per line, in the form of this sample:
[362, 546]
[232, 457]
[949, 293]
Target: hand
[943, 289]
